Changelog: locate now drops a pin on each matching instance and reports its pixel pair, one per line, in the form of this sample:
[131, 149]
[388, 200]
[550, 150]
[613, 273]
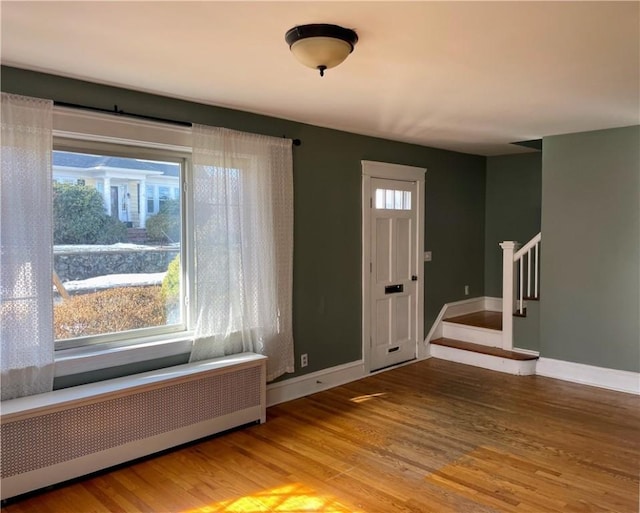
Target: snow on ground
[114, 280]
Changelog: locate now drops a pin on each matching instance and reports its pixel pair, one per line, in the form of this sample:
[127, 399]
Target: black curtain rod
[120, 112]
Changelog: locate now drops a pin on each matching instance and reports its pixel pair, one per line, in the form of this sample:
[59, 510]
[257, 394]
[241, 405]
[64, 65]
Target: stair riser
[495, 363]
[473, 334]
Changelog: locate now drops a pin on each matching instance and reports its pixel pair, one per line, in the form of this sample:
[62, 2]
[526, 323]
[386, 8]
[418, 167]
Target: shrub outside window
[118, 272]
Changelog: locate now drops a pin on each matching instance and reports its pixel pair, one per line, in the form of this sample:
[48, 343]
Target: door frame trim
[372, 169]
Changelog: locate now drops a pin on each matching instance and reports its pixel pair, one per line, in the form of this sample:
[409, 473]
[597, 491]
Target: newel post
[508, 292]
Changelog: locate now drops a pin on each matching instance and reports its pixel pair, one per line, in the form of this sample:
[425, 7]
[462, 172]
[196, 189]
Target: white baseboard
[465, 306]
[612, 379]
[495, 363]
[308, 384]
[493, 304]
[454, 309]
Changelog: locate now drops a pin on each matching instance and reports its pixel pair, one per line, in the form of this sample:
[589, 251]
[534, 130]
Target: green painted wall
[327, 188]
[590, 276]
[513, 196]
[526, 330]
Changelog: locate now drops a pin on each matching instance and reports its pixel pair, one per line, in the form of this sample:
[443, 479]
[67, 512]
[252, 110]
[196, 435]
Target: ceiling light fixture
[321, 46]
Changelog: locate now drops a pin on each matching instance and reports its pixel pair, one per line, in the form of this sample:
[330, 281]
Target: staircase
[475, 339]
[485, 338]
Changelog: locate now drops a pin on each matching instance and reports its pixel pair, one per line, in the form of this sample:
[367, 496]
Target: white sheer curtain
[26, 247]
[243, 201]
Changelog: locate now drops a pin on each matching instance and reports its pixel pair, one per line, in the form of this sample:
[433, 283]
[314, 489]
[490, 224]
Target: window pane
[388, 199]
[407, 200]
[116, 269]
[379, 198]
[163, 196]
[151, 209]
[398, 200]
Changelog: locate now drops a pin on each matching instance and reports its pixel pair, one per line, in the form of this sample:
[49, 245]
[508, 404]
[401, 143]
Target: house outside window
[109, 289]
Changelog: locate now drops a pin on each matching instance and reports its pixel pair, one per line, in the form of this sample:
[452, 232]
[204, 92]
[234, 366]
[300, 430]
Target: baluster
[520, 308]
[536, 272]
[529, 273]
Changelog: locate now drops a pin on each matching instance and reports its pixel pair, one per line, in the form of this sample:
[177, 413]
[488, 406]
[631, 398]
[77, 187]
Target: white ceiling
[465, 76]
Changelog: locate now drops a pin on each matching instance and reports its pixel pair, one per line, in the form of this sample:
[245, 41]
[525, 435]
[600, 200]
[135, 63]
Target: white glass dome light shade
[321, 46]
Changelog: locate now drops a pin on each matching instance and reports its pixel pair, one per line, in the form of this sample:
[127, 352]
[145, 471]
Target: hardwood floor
[482, 349]
[434, 436]
[482, 319]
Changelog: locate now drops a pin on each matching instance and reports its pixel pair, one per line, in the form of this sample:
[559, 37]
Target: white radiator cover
[53, 437]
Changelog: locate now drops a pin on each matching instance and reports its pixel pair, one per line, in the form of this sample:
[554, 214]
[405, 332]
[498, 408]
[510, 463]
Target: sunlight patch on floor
[291, 498]
[363, 398]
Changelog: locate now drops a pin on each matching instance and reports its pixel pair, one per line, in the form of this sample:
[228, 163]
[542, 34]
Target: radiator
[50, 438]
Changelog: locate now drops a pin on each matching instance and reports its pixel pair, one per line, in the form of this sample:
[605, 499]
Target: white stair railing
[524, 259]
[516, 263]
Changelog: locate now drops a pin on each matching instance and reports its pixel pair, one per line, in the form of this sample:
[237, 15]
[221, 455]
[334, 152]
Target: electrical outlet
[466, 290]
[304, 360]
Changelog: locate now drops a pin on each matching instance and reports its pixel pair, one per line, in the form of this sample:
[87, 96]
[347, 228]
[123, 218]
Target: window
[251, 194]
[388, 199]
[113, 284]
[163, 196]
[151, 202]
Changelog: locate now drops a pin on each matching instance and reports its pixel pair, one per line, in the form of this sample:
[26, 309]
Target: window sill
[92, 358]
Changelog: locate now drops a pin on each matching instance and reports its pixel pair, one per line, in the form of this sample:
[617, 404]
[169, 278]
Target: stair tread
[479, 348]
[482, 319]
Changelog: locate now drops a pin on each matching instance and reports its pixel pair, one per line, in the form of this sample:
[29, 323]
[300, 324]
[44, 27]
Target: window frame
[143, 336]
[85, 125]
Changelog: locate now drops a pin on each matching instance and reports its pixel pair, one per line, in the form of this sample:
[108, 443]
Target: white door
[393, 270]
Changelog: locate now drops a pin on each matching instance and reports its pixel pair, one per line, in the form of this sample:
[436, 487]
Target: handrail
[524, 249]
[518, 266]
